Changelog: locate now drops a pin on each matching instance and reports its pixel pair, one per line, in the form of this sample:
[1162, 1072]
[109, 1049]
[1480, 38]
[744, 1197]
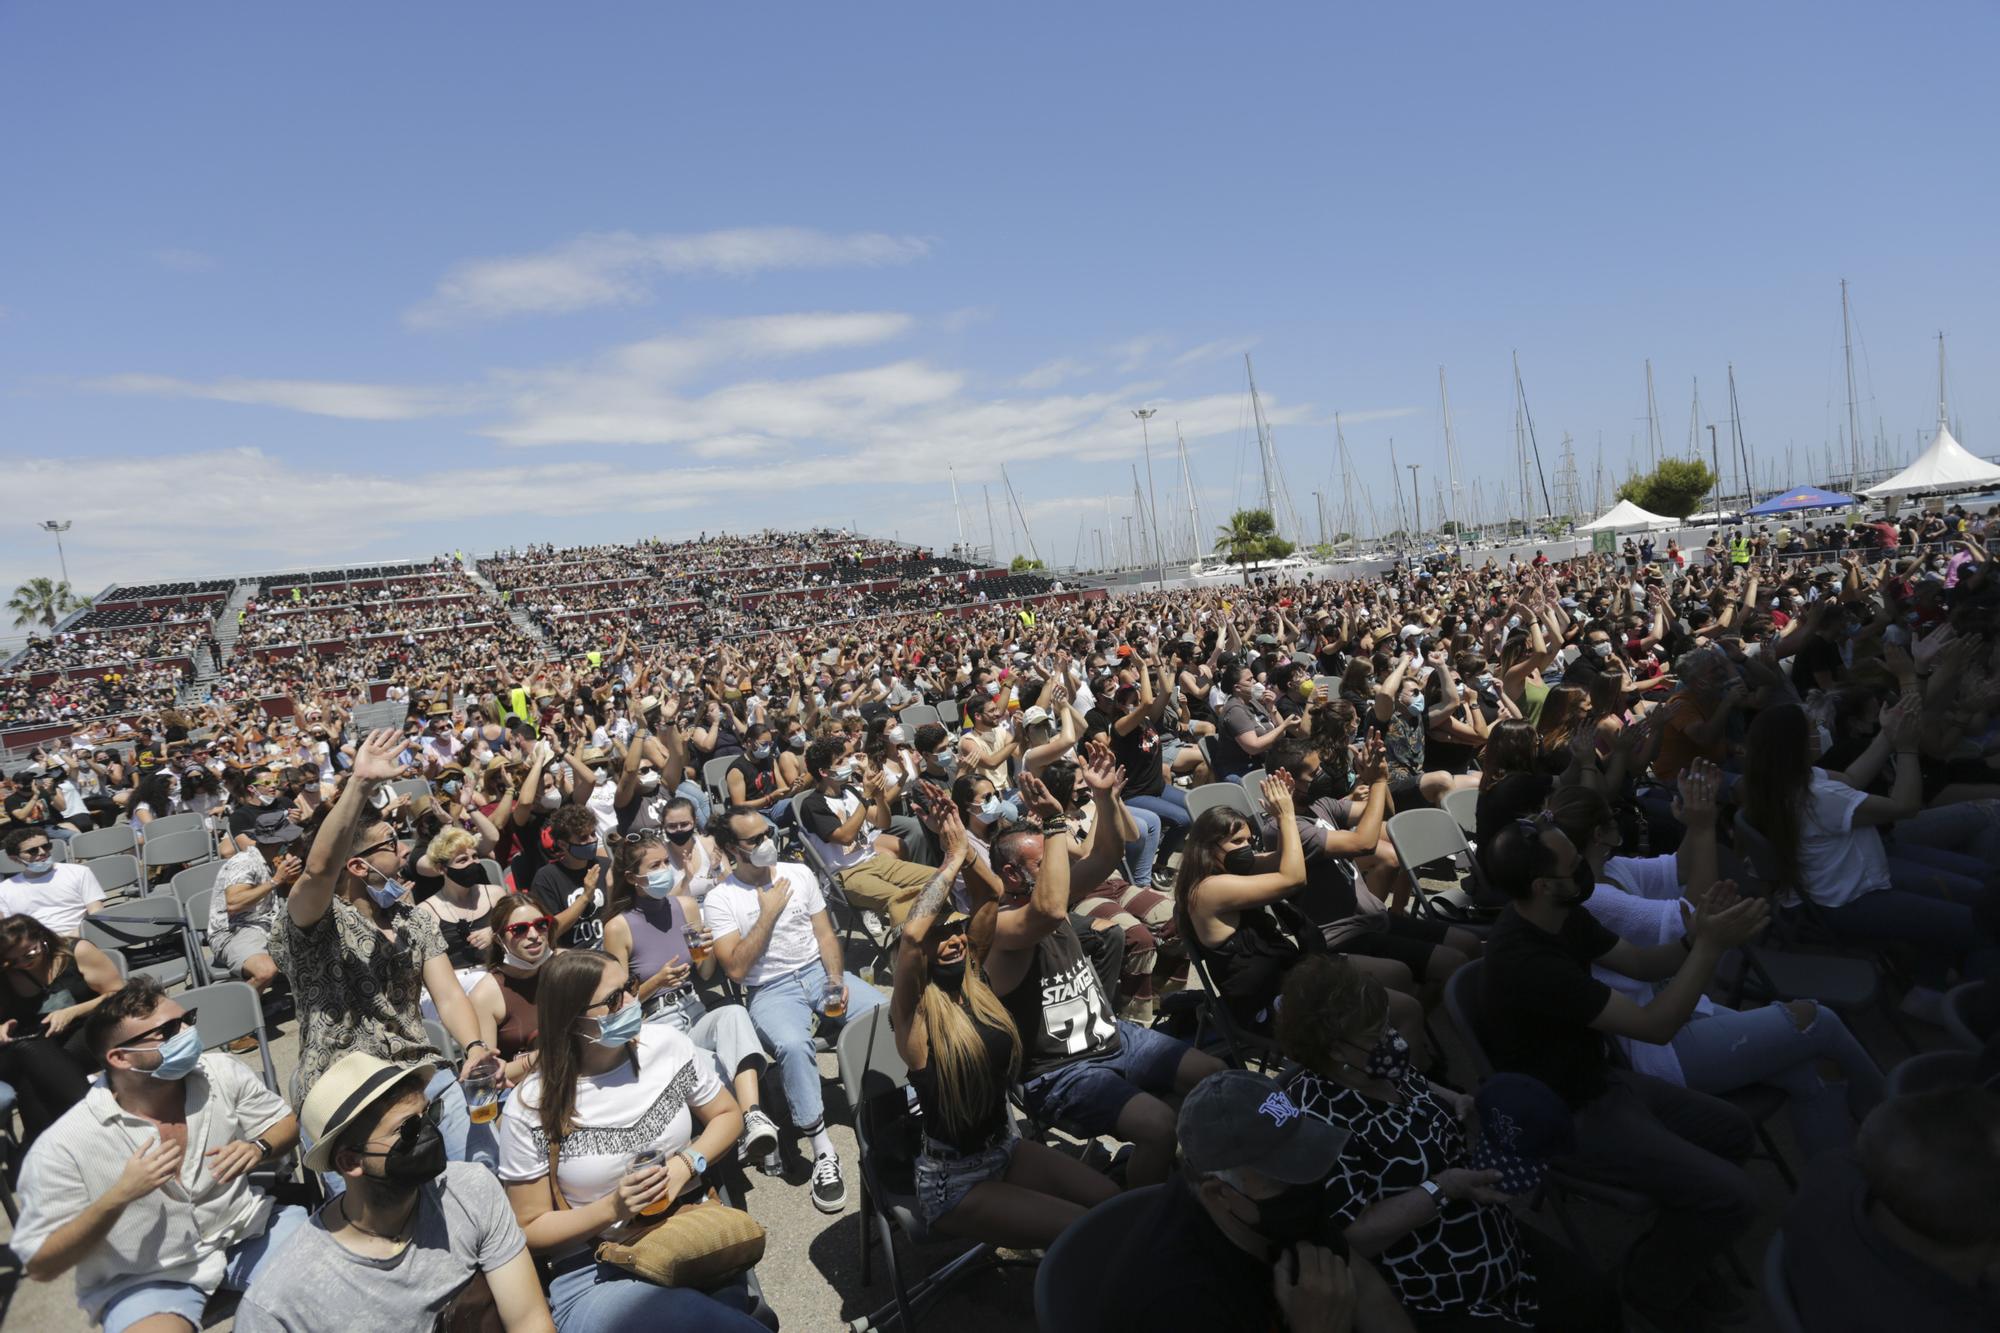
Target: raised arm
[374, 764]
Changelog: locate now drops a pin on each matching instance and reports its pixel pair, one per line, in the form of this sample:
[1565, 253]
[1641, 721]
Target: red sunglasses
[516, 929]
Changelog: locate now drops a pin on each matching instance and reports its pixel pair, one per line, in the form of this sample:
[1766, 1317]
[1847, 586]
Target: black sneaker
[760, 1136]
[829, 1189]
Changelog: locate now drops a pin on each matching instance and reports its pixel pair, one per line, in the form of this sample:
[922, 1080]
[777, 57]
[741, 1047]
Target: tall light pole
[1417, 498]
[51, 525]
[1145, 414]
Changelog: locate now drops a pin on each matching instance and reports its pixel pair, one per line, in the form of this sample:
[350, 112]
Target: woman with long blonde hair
[976, 1177]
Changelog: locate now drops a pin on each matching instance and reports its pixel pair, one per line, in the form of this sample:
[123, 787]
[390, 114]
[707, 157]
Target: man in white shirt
[59, 895]
[143, 1187]
[844, 826]
[773, 936]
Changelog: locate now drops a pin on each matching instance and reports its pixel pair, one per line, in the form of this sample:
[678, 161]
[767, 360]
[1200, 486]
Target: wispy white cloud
[184, 261]
[1133, 353]
[1220, 350]
[1051, 373]
[618, 268]
[326, 398]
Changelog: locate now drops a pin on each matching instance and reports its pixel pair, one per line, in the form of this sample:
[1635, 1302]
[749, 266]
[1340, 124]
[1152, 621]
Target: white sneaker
[829, 1187]
[760, 1136]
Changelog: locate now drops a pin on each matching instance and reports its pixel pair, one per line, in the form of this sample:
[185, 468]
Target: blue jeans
[1171, 806]
[454, 1123]
[1971, 828]
[244, 1264]
[1141, 852]
[596, 1296]
[783, 1012]
[1731, 1049]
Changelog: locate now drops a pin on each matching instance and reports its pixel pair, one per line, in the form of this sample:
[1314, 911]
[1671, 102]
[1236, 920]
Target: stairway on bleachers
[201, 684]
[514, 613]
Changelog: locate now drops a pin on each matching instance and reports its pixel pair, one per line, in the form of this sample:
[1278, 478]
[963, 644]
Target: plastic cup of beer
[482, 1098]
[699, 943]
[836, 1001]
[645, 1161]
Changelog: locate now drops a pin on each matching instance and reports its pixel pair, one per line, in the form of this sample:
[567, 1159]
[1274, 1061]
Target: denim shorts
[945, 1175]
[1087, 1096]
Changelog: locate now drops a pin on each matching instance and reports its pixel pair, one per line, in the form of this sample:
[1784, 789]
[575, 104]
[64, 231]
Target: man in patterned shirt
[360, 957]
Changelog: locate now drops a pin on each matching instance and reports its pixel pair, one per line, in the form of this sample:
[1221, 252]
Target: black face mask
[417, 1158]
[471, 876]
[1242, 861]
[950, 977]
[1299, 1212]
[1585, 880]
[677, 836]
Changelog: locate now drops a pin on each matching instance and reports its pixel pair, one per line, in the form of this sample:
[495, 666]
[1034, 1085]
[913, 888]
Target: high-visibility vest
[1739, 551]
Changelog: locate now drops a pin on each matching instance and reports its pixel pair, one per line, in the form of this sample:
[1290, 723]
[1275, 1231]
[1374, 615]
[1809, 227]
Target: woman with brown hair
[1402, 1192]
[51, 983]
[520, 940]
[616, 1124]
[976, 1178]
[1565, 713]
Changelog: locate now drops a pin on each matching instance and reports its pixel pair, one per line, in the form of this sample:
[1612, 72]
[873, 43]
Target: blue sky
[286, 285]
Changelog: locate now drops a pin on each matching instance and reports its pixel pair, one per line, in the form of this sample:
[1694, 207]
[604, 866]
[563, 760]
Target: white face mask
[649, 782]
[764, 852]
[515, 960]
[897, 735]
[550, 799]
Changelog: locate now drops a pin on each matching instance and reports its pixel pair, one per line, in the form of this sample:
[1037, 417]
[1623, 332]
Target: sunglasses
[617, 1000]
[643, 835]
[514, 930]
[30, 851]
[164, 1032]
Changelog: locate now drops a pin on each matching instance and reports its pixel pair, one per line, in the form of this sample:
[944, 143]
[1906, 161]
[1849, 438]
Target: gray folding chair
[1463, 805]
[194, 910]
[1217, 795]
[876, 1081]
[227, 1011]
[494, 875]
[176, 824]
[58, 851]
[185, 848]
[1932, 1071]
[715, 776]
[118, 840]
[115, 874]
[949, 712]
[196, 878]
[152, 933]
[1426, 837]
[916, 715]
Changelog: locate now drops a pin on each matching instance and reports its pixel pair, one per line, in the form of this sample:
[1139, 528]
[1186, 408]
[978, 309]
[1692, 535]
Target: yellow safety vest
[1739, 551]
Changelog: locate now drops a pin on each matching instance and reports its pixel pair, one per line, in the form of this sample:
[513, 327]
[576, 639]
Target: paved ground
[811, 1270]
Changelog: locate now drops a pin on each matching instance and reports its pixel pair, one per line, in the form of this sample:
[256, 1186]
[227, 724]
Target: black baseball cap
[1236, 1119]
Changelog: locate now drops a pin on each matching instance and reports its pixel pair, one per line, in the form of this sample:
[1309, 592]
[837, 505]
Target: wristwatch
[695, 1159]
[264, 1146]
[1435, 1190]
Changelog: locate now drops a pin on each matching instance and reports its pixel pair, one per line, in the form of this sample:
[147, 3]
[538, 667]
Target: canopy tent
[1803, 497]
[1628, 517]
[1945, 466]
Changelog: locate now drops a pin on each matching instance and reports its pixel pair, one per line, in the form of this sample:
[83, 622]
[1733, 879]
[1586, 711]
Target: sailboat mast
[1652, 418]
[1194, 507]
[1736, 430]
[957, 513]
[1396, 484]
[1520, 448]
[1941, 407]
[1450, 453]
[1017, 511]
[1528, 416]
[1263, 442]
[1853, 408]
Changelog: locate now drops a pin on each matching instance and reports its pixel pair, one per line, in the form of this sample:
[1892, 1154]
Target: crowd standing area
[571, 939]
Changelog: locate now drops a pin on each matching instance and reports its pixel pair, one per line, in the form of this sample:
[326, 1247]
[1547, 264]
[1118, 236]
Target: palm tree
[43, 600]
[1250, 536]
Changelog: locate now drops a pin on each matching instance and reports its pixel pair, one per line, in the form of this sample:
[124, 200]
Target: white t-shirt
[732, 907]
[1839, 861]
[58, 899]
[618, 1113]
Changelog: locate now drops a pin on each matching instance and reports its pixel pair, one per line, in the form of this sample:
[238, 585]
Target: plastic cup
[482, 1098]
[643, 1161]
[700, 943]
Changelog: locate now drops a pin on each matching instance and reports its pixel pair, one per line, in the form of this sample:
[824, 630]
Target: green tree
[1674, 489]
[1022, 564]
[1448, 528]
[1251, 536]
[45, 601]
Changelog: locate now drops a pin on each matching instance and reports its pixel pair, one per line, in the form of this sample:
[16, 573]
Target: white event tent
[1628, 517]
[1946, 466]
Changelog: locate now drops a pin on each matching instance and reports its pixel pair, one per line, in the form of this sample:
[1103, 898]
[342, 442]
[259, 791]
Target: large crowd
[1171, 873]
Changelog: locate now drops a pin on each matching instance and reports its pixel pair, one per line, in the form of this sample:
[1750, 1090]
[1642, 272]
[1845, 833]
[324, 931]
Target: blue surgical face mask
[178, 1055]
[388, 893]
[660, 880]
[583, 851]
[990, 808]
[616, 1029]
[947, 760]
